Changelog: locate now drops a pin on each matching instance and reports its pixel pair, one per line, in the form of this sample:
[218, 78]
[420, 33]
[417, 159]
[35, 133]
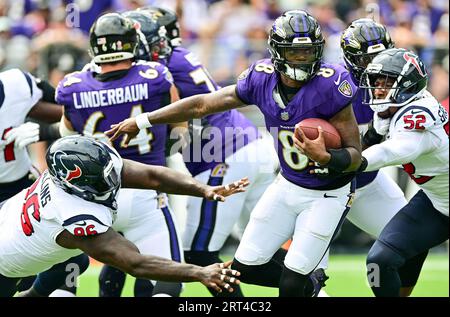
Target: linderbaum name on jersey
[108, 97]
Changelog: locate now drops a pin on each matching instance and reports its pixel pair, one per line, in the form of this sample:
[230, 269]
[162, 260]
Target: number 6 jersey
[92, 106]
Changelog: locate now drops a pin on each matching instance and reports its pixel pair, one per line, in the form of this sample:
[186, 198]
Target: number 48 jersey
[92, 106]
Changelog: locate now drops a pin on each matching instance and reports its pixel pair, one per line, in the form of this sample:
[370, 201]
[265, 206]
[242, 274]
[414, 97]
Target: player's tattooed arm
[113, 249]
[138, 175]
[196, 106]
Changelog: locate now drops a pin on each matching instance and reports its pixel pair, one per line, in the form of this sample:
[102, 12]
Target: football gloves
[23, 135]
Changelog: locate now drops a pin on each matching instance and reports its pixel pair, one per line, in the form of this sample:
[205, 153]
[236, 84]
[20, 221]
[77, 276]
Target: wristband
[142, 121]
[340, 160]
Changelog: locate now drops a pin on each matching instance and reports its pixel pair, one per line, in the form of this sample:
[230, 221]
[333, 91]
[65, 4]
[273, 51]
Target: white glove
[381, 125]
[23, 135]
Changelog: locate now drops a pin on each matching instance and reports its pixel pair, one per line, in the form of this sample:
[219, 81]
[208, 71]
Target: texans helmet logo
[62, 170]
[413, 60]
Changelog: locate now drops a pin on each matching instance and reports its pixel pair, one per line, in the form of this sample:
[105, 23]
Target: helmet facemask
[399, 91]
[299, 60]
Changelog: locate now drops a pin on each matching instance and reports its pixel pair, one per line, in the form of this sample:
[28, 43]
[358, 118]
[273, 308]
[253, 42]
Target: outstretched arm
[113, 249]
[196, 106]
[137, 175]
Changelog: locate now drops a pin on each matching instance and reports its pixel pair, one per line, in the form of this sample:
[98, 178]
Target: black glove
[371, 137]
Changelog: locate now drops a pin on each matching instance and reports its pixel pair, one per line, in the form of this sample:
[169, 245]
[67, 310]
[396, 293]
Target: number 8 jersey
[92, 106]
[322, 97]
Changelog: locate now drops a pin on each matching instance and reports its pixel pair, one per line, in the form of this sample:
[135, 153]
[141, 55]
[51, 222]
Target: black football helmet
[405, 74]
[296, 45]
[361, 42]
[113, 38]
[169, 20]
[153, 41]
[82, 166]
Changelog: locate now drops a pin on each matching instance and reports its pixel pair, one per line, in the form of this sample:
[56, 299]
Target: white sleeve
[403, 148]
[35, 92]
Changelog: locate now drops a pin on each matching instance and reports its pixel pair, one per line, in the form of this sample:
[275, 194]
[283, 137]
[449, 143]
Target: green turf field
[347, 278]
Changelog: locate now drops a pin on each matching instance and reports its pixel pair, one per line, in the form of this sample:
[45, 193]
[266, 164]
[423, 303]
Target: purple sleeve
[344, 92]
[244, 87]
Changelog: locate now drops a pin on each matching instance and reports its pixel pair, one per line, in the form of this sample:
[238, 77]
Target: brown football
[331, 135]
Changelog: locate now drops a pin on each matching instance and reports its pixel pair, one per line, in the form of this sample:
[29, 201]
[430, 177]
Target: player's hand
[23, 135]
[218, 193]
[313, 149]
[219, 277]
[128, 127]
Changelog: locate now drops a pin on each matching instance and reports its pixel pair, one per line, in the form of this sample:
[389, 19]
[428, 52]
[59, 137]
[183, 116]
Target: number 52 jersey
[92, 106]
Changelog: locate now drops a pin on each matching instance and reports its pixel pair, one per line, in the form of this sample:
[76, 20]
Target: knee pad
[384, 257]
[111, 281]
[202, 258]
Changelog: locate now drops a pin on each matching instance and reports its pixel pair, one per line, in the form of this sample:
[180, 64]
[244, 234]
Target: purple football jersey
[221, 131]
[363, 114]
[322, 97]
[92, 106]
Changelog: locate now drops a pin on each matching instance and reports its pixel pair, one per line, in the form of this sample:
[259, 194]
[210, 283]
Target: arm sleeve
[402, 149]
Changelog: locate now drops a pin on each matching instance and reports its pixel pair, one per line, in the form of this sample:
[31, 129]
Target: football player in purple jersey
[293, 85]
[93, 100]
[208, 224]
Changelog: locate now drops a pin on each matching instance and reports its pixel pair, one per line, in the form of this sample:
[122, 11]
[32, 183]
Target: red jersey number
[8, 152]
[30, 206]
[414, 121]
[411, 169]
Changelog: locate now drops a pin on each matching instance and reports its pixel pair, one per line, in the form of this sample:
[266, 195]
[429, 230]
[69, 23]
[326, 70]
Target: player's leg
[209, 223]
[8, 286]
[111, 281]
[155, 233]
[315, 227]
[416, 228]
[271, 224]
[374, 206]
[65, 273]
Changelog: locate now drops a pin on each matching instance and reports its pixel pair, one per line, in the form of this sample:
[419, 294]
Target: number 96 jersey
[322, 97]
[92, 106]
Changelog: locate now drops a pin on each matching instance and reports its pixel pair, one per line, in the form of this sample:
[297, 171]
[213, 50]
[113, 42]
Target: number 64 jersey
[92, 106]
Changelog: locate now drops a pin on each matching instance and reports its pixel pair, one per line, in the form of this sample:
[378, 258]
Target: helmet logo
[413, 60]
[62, 170]
[73, 174]
[318, 31]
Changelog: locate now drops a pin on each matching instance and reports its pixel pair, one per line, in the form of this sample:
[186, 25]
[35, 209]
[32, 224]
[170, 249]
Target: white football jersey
[18, 94]
[418, 140]
[31, 221]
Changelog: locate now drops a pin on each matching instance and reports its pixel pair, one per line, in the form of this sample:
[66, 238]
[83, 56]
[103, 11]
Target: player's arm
[196, 106]
[402, 149]
[346, 159]
[113, 249]
[31, 132]
[138, 175]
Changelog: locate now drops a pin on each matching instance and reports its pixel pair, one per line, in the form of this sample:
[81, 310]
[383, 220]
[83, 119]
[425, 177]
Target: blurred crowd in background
[49, 38]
